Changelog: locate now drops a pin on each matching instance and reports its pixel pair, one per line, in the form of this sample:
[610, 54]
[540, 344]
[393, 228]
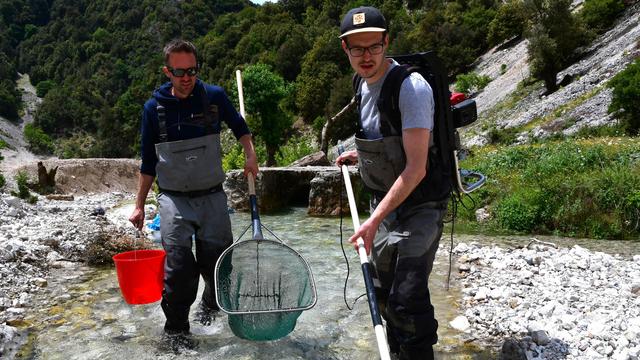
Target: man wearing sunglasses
[407, 207]
[180, 147]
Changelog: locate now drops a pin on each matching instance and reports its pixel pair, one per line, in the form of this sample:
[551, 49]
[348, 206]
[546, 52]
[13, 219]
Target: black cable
[453, 223]
[344, 254]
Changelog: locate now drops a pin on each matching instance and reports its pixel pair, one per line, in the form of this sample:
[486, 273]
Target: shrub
[23, 192]
[10, 100]
[294, 149]
[519, 211]
[502, 136]
[43, 87]
[509, 22]
[79, 145]
[39, 142]
[233, 159]
[3, 182]
[626, 92]
[599, 15]
[471, 83]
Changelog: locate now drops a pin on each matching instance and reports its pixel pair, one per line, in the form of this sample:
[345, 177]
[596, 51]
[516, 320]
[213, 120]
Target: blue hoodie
[179, 113]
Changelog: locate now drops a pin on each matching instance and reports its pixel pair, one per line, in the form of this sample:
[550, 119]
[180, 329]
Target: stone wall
[318, 187]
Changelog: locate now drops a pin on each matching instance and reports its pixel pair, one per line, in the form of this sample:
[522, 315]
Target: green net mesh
[263, 286]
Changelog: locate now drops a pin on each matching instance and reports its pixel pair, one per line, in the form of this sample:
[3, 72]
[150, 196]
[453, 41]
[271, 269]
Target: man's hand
[251, 165]
[367, 232]
[137, 218]
[250, 160]
[347, 158]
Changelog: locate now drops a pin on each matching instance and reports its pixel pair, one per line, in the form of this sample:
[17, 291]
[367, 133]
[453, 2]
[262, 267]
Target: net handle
[252, 184]
[381, 338]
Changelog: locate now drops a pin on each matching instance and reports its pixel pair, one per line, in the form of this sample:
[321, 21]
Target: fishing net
[263, 285]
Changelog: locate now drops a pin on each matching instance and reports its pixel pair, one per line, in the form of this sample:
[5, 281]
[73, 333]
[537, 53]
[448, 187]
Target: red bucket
[140, 275]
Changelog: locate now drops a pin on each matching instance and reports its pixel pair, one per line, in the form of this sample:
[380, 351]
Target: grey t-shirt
[416, 104]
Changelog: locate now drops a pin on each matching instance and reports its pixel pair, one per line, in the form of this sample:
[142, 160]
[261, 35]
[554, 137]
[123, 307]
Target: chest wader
[190, 176]
[407, 240]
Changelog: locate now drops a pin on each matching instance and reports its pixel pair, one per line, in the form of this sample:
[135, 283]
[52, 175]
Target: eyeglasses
[192, 71]
[374, 49]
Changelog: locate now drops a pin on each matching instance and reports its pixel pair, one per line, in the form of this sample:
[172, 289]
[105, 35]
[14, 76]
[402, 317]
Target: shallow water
[89, 319]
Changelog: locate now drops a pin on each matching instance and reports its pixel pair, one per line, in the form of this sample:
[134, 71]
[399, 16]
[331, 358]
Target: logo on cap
[358, 19]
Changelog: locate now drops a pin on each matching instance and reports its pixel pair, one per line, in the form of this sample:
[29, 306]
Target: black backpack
[447, 118]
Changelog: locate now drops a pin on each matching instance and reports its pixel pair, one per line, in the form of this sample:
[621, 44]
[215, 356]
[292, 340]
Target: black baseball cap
[362, 19]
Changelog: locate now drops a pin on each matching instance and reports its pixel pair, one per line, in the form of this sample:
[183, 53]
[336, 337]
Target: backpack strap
[389, 101]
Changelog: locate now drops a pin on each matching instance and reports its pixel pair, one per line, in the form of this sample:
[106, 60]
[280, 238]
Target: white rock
[460, 323]
[481, 294]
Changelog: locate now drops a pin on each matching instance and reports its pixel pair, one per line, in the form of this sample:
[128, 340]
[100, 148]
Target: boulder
[316, 159]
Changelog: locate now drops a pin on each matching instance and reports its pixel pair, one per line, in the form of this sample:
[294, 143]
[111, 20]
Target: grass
[577, 187]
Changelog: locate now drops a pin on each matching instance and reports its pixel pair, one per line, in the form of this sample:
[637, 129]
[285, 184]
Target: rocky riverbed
[534, 302]
[550, 303]
[50, 234]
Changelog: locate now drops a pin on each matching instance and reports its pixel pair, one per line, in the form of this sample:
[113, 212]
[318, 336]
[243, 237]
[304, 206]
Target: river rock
[316, 159]
[460, 323]
[554, 313]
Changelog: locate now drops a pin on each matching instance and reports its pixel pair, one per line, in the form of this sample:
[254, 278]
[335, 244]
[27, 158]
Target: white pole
[240, 94]
[381, 337]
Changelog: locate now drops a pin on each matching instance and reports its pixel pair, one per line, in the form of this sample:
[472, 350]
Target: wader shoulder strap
[162, 123]
[210, 113]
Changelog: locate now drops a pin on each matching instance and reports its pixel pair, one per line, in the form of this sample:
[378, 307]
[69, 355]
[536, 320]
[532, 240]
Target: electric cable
[344, 253]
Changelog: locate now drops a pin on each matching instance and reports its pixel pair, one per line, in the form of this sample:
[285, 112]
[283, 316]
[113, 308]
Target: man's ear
[386, 40]
[344, 47]
[166, 71]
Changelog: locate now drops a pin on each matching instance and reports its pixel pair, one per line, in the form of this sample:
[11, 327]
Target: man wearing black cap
[407, 209]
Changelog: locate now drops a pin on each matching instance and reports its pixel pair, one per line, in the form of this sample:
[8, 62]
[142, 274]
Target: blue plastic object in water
[155, 224]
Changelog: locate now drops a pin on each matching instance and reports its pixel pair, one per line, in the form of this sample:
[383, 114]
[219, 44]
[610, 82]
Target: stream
[87, 318]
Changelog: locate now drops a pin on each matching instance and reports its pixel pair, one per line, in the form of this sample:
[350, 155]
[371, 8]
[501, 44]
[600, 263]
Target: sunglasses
[192, 71]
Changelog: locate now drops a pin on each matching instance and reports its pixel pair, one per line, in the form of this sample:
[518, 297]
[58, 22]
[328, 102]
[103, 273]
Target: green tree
[599, 15]
[39, 142]
[43, 87]
[9, 99]
[264, 90]
[554, 35]
[626, 92]
[510, 21]
[320, 67]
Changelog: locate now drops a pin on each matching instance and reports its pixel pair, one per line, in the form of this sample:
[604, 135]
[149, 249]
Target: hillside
[16, 154]
[512, 111]
[581, 103]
